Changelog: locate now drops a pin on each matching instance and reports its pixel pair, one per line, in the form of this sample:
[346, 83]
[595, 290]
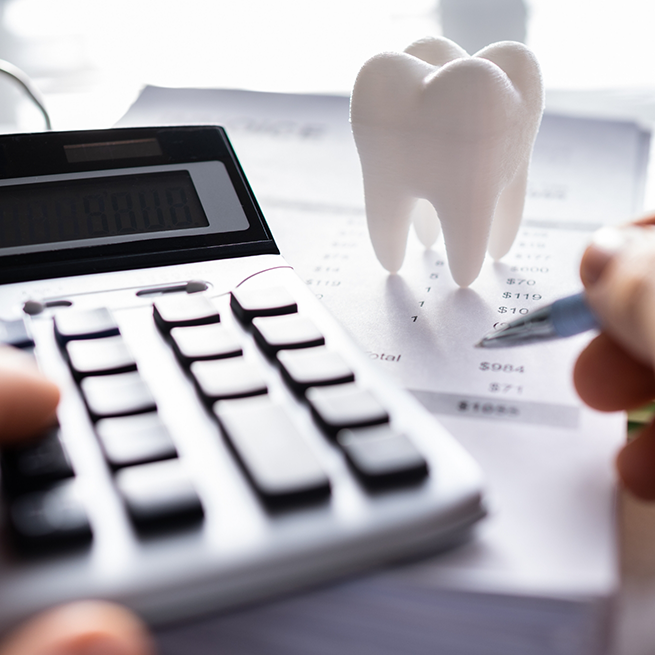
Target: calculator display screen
[126, 205]
[98, 207]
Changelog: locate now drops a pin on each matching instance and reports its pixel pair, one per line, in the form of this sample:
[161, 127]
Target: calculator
[220, 438]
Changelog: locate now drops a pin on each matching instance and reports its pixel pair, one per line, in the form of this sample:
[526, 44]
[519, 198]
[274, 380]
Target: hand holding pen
[568, 316]
[616, 370]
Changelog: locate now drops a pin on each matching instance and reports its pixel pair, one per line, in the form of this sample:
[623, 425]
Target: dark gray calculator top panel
[74, 203]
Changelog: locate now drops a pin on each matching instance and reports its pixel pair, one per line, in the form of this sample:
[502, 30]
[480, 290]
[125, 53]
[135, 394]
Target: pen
[564, 318]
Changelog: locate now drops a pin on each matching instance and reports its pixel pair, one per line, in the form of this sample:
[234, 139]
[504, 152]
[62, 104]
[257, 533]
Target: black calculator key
[49, 518]
[181, 310]
[130, 440]
[100, 356]
[228, 378]
[159, 495]
[382, 456]
[117, 395]
[16, 333]
[73, 324]
[345, 406]
[247, 303]
[276, 333]
[205, 342]
[277, 459]
[35, 465]
[311, 367]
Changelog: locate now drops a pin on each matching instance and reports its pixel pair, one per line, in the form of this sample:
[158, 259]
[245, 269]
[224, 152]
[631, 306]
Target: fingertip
[81, 628]
[606, 243]
[28, 400]
[598, 254]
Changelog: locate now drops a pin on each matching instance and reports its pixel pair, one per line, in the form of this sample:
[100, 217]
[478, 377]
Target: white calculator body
[221, 439]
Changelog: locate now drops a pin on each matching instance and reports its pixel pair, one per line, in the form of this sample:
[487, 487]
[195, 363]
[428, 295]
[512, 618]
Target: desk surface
[91, 59]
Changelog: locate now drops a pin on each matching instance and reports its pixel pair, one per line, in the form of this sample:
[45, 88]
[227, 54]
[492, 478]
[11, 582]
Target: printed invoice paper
[540, 572]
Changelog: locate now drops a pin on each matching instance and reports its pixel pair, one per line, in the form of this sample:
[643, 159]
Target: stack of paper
[540, 574]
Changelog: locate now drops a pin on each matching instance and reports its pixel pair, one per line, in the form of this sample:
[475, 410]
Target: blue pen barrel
[572, 315]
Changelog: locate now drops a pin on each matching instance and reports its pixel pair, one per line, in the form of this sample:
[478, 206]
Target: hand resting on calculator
[28, 401]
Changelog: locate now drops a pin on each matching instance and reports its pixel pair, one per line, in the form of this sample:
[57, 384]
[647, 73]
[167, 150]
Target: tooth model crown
[437, 129]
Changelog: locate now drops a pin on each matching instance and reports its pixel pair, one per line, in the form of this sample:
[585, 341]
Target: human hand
[28, 402]
[617, 369]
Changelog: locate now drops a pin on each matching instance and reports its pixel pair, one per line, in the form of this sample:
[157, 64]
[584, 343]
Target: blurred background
[90, 58]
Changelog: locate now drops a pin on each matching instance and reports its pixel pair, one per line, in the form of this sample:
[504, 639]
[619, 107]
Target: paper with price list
[550, 541]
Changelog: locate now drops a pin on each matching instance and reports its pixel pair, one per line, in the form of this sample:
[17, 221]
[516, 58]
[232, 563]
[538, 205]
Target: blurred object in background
[9, 94]
[474, 24]
[29, 90]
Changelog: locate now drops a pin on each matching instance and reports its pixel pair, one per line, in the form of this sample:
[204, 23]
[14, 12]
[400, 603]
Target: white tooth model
[437, 129]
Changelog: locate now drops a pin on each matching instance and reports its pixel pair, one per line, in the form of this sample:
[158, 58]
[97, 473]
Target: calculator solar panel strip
[221, 439]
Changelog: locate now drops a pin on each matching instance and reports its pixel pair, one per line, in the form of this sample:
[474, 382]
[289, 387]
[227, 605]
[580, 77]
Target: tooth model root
[445, 142]
[466, 241]
[509, 212]
[426, 222]
[390, 228]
